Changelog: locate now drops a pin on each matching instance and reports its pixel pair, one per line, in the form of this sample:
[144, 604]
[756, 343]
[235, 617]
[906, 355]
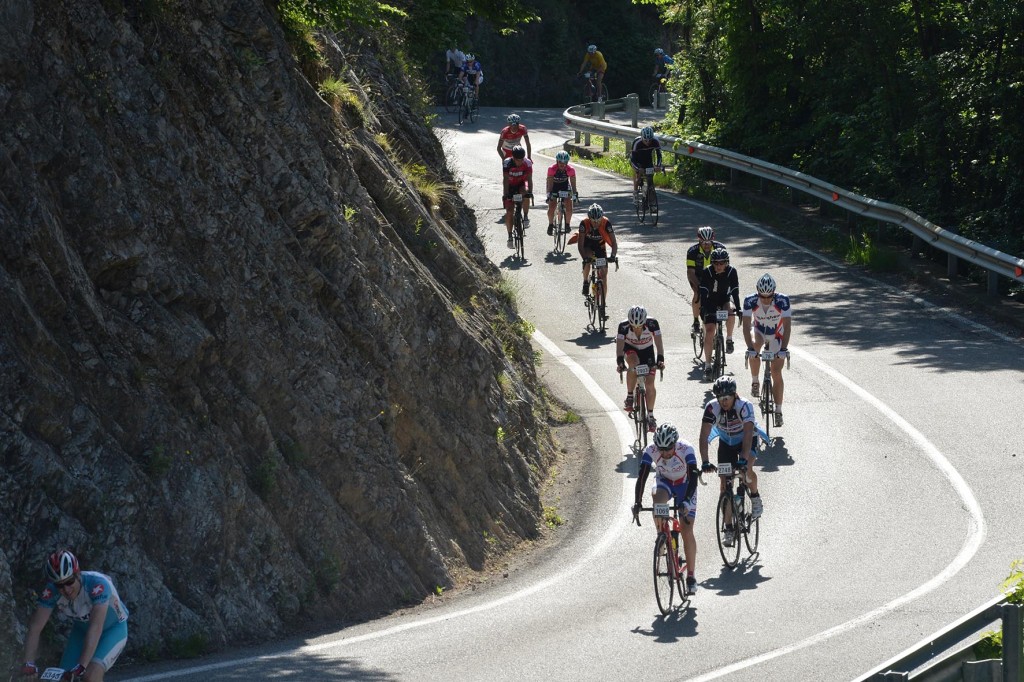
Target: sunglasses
[66, 583]
[668, 449]
[771, 295]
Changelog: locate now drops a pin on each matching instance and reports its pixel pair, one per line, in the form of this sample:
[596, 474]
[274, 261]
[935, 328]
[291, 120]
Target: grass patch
[499, 435]
[865, 252]
[551, 518]
[342, 97]
[991, 644]
[570, 417]
[430, 189]
[191, 646]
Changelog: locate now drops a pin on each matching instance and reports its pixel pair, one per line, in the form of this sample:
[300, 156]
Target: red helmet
[61, 565]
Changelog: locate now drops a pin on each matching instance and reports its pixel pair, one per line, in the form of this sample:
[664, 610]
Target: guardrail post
[632, 107]
[586, 139]
[993, 283]
[951, 266]
[607, 143]
[576, 136]
[733, 176]
[1013, 642]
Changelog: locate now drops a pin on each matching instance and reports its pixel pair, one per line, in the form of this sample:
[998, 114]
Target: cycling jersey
[695, 252]
[642, 155]
[96, 588]
[510, 138]
[473, 68]
[595, 61]
[717, 288]
[727, 425]
[595, 237]
[457, 57]
[560, 175]
[662, 62]
[768, 320]
[519, 173]
[648, 331]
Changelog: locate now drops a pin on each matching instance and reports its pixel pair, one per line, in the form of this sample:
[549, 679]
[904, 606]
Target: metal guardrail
[588, 119]
[948, 654]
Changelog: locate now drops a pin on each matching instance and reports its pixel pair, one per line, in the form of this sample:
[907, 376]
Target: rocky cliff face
[247, 371]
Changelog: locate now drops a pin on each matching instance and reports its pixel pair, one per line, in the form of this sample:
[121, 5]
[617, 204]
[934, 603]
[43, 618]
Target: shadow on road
[288, 667]
[746, 576]
[593, 339]
[775, 455]
[512, 262]
[679, 624]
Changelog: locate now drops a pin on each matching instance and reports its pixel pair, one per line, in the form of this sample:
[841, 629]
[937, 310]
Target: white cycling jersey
[769, 319]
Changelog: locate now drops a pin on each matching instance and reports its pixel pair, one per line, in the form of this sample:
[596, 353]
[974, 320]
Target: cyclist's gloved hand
[28, 669]
[708, 468]
[74, 673]
[783, 353]
[741, 462]
[751, 353]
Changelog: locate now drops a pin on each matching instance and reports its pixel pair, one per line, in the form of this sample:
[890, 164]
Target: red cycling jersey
[510, 139]
[517, 174]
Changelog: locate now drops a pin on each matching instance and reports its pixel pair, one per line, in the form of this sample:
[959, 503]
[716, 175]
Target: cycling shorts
[709, 315]
[676, 492]
[516, 189]
[729, 454]
[774, 343]
[561, 187]
[644, 356]
[111, 644]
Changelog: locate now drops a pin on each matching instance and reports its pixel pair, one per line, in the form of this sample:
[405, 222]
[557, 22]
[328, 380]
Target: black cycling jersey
[717, 288]
[642, 156]
[693, 256]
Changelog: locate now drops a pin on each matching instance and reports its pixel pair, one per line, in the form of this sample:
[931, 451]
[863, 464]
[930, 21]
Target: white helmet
[562, 157]
[766, 285]
[659, 51]
[513, 119]
[61, 566]
[591, 49]
[666, 436]
[637, 315]
[470, 56]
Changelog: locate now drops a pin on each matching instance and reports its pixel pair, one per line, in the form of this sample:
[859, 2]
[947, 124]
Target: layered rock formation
[247, 370]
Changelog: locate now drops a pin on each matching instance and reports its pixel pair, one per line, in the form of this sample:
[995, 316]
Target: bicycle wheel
[767, 406]
[751, 533]
[718, 354]
[640, 415]
[730, 555]
[562, 233]
[641, 205]
[604, 92]
[652, 203]
[698, 343]
[592, 302]
[601, 305]
[664, 578]
[518, 235]
[451, 98]
[474, 108]
[463, 107]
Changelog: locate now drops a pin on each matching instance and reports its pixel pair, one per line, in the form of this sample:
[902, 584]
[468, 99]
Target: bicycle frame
[718, 362]
[560, 231]
[518, 233]
[665, 547]
[767, 397]
[731, 510]
[596, 299]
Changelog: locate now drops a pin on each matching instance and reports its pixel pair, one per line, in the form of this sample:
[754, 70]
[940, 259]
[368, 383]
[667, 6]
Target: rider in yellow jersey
[595, 61]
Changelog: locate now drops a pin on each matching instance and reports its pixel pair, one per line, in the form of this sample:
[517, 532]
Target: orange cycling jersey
[595, 236]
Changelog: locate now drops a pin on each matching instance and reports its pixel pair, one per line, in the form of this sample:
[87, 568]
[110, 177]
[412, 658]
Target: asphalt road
[891, 494]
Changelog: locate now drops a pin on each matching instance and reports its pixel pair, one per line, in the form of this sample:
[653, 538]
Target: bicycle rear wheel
[641, 208]
[451, 97]
[718, 355]
[652, 203]
[730, 555]
[751, 533]
[664, 576]
[698, 343]
[767, 406]
[518, 235]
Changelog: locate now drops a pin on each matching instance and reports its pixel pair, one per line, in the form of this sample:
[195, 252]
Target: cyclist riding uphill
[511, 135]
[454, 58]
[675, 478]
[561, 178]
[595, 233]
[99, 618]
[645, 153]
[718, 284]
[662, 64]
[732, 420]
[698, 257]
[637, 339]
[767, 321]
[594, 61]
[517, 178]
[472, 73]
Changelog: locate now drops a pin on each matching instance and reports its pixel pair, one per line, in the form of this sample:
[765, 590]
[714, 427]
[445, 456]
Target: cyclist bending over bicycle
[662, 64]
[767, 320]
[594, 61]
[472, 73]
[635, 343]
[645, 153]
[561, 178]
[595, 234]
[675, 465]
[100, 619]
[733, 421]
[718, 284]
[511, 135]
[517, 178]
[698, 257]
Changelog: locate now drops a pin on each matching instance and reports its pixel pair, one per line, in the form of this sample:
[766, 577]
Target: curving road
[891, 495]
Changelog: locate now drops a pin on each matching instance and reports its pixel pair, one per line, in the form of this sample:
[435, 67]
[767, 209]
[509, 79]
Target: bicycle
[718, 349]
[594, 301]
[639, 411]
[669, 565]
[698, 343]
[645, 200]
[451, 92]
[468, 105]
[767, 397]
[561, 232]
[590, 87]
[732, 507]
[518, 233]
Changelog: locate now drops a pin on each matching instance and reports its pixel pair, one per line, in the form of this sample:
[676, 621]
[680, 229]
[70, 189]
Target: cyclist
[732, 420]
[637, 339]
[594, 61]
[595, 233]
[472, 72]
[454, 58]
[698, 257]
[642, 156]
[662, 64]
[561, 178]
[100, 619]
[767, 320]
[675, 465]
[517, 172]
[511, 135]
[718, 283]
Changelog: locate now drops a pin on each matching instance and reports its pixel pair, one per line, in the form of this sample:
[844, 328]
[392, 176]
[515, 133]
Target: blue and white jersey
[728, 424]
[673, 468]
[768, 319]
[96, 588]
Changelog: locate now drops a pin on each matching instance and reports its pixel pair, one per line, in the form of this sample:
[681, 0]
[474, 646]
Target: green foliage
[336, 15]
[499, 435]
[158, 462]
[866, 252]
[430, 189]
[991, 643]
[570, 417]
[190, 646]
[551, 518]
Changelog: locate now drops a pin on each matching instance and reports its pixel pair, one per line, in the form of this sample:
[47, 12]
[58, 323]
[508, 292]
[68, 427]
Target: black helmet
[724, 386]
[719, 255]
[518, 152]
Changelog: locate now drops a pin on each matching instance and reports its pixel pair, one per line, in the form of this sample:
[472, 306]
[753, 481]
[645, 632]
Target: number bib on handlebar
[52, 674]
[721, 315]
[725, 469]
[518, 198]
[662, 510]
[600, 263]
[642, 370]
[767, 355]
[649, 171]
[563, 194]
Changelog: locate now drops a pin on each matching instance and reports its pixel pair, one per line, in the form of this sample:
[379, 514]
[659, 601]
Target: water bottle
[737, 499]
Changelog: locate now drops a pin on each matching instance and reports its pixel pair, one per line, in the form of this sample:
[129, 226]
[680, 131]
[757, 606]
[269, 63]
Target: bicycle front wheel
[560, 235]
[601, 305]
[767, 406]
[652, 203]
[474, 109]
[638, 202]
[751, 534]
[730, 555]
[604, 92]
[718, 356]
[517, 234]
[698, 343]
[664, 575]
[451, 98]
[640, 415]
